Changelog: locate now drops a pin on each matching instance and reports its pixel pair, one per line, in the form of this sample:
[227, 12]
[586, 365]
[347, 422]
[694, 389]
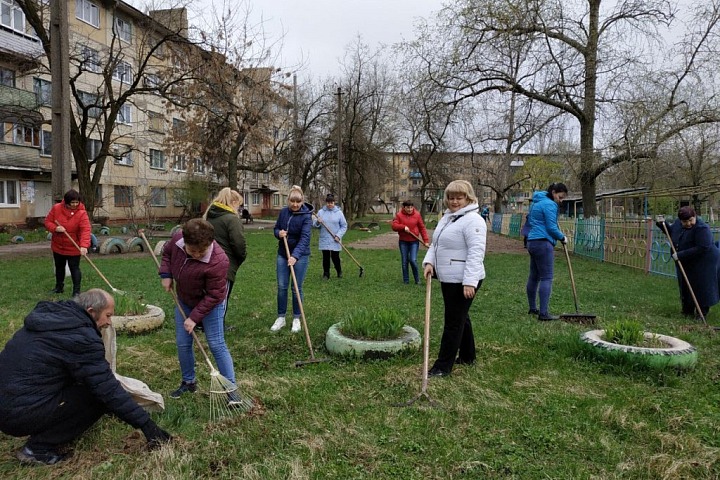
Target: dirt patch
[495, 243]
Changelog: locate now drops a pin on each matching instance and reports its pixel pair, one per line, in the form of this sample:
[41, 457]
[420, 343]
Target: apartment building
[121, 60]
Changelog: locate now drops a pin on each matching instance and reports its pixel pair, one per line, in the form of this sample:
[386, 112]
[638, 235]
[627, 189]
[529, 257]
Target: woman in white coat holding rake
[456, 258]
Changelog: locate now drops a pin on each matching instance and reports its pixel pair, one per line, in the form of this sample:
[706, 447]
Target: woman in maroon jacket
[198, 266]
[68, 216]
[409, 222]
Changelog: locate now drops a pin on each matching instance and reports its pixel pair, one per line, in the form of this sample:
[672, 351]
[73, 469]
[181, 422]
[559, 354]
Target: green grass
[532, 407]
[373, 323]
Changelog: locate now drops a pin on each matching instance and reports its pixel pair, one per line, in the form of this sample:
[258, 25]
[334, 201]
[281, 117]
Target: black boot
[76, 291]
[59, 288]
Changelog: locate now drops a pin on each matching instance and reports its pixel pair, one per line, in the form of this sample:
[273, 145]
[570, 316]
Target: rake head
[579, 318]
[226, 400]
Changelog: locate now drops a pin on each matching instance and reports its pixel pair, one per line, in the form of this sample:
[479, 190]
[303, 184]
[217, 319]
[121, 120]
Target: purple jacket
[200, 284]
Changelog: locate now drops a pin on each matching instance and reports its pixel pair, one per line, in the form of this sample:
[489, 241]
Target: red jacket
[200, 284]
[414, 221]
[76, 223]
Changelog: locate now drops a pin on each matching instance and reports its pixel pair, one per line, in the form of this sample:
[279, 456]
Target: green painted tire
[134, 244]
[678, 353]
[104, 231]
[338, 344]
[175, 229]
[112, 245]
[17, 239]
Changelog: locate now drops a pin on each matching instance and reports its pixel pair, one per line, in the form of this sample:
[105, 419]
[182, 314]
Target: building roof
[608, 193]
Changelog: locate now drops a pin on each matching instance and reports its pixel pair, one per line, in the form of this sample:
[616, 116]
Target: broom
[225, 398]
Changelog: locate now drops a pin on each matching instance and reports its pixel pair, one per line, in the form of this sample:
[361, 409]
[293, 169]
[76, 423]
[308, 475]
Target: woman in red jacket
[68, 216]
[409, 224]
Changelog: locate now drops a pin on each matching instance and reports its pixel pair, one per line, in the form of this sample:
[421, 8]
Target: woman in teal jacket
[544, 233]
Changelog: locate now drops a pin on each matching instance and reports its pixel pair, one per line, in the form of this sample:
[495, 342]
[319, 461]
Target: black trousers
[73, 262]
[77, 411]
[335, 256]
[457, 337]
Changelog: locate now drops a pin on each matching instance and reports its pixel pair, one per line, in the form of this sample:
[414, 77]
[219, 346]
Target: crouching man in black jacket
[55, 382]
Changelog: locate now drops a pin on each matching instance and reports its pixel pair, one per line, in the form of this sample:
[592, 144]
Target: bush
[624, 332]
[128, 305]
[380, 324]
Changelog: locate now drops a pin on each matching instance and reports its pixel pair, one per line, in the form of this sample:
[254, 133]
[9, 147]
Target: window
[125, 114]
[276, 199]
[88, 12]
[91, 102]
[46, 143]
[43, 91]
[199, 167]
[256, 199]
[98, 196]
[180, 164]
[7, 77]
[11, 16]
[92, 148]
[26, 135]
[123, 196]
[179, 197]
[123, 72]
[178, 126]
[90, 59]
[158, 197]
[123, 29]
[123, 155]
[157, 159]
[9, 193]
[156, 122]
[152, 80]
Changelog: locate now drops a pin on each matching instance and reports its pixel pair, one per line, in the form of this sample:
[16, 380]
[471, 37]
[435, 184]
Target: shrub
[380, 324]
[129, 305]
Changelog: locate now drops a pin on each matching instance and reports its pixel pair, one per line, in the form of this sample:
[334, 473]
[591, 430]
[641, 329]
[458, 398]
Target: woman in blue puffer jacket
[544, 233]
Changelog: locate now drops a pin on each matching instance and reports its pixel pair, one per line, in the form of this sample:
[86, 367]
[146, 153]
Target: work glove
[155, 435]
[674, 256]
[564, 240]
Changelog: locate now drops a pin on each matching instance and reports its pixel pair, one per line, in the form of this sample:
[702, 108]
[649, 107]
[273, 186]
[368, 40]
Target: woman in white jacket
[456, 258]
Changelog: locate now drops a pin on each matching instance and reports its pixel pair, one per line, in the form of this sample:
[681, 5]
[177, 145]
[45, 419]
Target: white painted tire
[134, 244]
[150, 320]
[112, 245]
[159, 248]
[338, 344]
[678, 353]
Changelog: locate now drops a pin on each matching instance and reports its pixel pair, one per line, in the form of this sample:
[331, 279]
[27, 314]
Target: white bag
[139, 391]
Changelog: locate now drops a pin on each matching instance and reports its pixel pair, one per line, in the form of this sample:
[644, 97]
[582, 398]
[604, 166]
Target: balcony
[19, 157]
[19, 106]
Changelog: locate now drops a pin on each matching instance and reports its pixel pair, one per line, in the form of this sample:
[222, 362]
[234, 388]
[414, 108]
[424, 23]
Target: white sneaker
[279, 323]
[295, 325]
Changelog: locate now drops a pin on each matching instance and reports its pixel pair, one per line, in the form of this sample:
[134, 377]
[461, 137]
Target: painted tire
[356, 226]
[17, 239]
[338, 344]
[159, 247]
[150, 320]
[104, 231]
[112, 245]
[175, 229]
[678, 353]
[135, 244]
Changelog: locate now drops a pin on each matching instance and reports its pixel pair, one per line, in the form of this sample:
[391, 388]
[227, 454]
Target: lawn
[532, 407]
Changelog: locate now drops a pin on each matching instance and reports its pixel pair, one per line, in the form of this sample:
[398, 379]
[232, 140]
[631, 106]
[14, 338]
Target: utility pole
[339, 145]
[297, 170]
[60, 120]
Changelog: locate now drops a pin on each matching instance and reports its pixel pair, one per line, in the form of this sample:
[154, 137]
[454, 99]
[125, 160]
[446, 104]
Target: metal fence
[633, 243]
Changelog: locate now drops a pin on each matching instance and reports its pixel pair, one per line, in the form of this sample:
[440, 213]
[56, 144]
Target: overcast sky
[318, 31]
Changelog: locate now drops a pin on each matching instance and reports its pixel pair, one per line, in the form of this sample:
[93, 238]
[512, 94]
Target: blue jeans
[214, 333]
[408, 254]
[283, 282]
[542, 260]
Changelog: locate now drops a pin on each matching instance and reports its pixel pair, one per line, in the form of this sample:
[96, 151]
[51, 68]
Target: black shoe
[339, 274]
[58, 289]
[184, 387]
[460, 361]
[436, 372]
[533, 311]
[326, 276]
[548, 318]
[49, 457]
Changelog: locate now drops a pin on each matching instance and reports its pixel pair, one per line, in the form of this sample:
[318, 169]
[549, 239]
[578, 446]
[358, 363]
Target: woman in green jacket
[223, 216]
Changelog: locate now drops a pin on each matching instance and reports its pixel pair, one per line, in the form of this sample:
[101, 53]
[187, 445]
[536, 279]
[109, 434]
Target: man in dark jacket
[55, 382]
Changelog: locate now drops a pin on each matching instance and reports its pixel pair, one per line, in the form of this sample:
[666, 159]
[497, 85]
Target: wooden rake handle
[177, 304]
[426, 245]
[426, 334]
[572, 277]
[319, 220]
[87, 258]
[297, 294]
[682, 271]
